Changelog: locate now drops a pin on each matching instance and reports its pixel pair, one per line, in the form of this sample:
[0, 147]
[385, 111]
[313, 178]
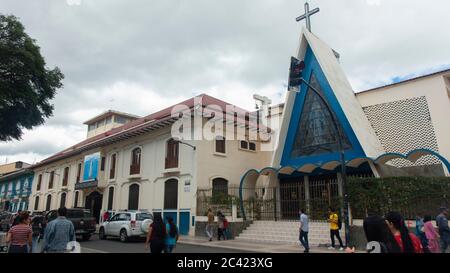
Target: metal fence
[274, 203]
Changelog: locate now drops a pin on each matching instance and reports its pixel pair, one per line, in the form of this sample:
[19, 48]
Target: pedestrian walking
[376, 230]
[421, 234]
[210, 225]
[38, 224]
[19, 236]
[225, 232]
[335, 224]
[432, 235]
[220, 225]
[58, 233]
[172, 235]
[304, 230]
[444, 231]
[105, 216]
[156, 235]
[407, 241]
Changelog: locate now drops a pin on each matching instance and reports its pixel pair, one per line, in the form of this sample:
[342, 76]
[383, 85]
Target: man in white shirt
[304, 229]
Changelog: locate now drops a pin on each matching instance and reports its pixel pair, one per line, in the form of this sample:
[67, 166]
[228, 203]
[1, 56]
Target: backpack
[339, 221]
[225, 223]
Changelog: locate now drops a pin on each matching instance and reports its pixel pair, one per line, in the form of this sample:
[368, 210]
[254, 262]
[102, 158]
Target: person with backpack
[172, 235]
[335, 226]
[38, 224]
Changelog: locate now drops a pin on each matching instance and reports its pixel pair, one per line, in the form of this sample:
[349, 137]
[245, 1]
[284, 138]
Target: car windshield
[143, 216]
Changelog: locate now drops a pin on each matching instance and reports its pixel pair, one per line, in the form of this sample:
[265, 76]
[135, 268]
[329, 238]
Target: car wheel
[123, 236]
[101, 234]
[86, 237]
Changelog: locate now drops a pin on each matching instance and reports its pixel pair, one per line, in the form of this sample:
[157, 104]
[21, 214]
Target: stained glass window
[316, 133]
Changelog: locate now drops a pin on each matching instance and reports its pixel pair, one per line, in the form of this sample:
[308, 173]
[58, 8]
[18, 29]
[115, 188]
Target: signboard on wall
[91, 164]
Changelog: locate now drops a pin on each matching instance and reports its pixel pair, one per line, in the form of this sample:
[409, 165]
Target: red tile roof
[134, 125]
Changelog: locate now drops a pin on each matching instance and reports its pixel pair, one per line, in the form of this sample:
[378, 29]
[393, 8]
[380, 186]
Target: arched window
[220, 190]
[36, 203]
[49, 203]
[63, 200]
[65, 177]
[171, 194]
[75, 200]
[135, 167]
[112, 168]
[172, 150]
[111, 198]
[133, 197]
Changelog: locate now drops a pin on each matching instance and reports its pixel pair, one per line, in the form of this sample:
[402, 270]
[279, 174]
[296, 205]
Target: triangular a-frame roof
[344, 102]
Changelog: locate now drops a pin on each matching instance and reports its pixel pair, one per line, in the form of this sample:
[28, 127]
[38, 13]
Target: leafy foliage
[26, 85]
[411, 196]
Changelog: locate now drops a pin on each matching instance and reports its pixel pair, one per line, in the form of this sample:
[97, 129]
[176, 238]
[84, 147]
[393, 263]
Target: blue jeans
[37, 244]
[169, 248]
[304, 239]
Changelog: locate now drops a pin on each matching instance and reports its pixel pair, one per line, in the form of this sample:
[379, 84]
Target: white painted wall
[434, 88]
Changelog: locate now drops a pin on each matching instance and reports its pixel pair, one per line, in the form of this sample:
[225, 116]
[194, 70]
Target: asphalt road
[94, 245]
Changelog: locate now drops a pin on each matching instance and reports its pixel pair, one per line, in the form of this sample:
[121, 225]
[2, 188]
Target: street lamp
[296, 79]
[187, 144]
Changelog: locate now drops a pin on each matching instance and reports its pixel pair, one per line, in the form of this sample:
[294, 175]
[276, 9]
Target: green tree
[26, 85]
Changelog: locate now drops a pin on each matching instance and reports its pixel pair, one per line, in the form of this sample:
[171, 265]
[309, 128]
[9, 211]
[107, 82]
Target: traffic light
[295, 74]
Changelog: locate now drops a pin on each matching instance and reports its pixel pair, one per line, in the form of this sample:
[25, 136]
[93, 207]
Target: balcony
[171, 162]
[135, 169]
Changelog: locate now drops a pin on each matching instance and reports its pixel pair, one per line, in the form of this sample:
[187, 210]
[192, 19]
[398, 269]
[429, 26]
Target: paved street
[94, 245]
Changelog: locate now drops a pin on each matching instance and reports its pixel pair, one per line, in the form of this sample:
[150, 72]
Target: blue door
[170, 214]
[184, 223]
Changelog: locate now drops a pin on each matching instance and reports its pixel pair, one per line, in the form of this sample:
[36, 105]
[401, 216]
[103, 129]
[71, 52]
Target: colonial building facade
[15, 189]
[139, 165]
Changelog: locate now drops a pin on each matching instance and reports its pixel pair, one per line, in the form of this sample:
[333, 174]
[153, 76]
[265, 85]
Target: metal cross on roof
[307, 16]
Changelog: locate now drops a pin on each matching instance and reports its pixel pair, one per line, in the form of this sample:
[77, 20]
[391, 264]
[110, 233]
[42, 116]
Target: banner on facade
[91, 163]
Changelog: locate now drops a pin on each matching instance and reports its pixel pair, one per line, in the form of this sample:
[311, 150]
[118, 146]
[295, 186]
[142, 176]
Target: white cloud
[140, 56]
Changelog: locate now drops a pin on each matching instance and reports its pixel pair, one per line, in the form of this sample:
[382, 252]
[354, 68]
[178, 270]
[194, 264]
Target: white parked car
[126, 224]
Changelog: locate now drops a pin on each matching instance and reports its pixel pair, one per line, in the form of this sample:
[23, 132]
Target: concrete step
[284, 232]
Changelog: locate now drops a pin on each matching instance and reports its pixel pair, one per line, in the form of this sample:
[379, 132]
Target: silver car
[126, 224]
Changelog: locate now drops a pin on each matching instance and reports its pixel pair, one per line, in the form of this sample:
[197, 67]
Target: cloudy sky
[138, 56]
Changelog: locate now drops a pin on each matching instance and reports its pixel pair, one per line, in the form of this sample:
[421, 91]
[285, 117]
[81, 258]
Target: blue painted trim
[277, 171]
[313, 67]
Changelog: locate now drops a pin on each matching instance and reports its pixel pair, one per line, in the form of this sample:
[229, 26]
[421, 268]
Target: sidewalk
[253, 246]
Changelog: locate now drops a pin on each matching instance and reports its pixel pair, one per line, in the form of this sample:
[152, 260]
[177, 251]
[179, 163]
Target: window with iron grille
[135, 167]
[220, 190]
[171, 194]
